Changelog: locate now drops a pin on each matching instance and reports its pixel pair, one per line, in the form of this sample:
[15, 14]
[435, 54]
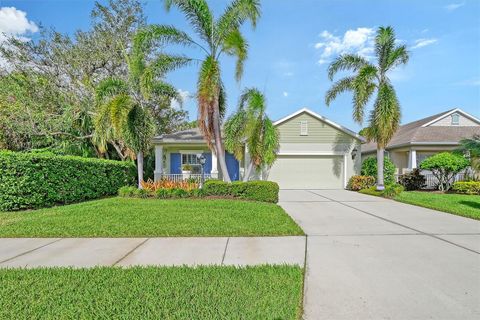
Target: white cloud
[419, 43]
[14, 22]
[359, 41]
[186, 95]
[474, 82]
[285, 93]
[454, 6]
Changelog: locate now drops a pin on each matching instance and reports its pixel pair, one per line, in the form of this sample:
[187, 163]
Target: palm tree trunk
[380, 155]
[219, 142]
[140, 168]
[249, 171]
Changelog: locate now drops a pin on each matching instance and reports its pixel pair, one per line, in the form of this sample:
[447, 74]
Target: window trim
[457, 117]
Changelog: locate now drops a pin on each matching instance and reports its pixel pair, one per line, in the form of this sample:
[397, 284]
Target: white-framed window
[455, 119]
[192, 160]
[304, 128]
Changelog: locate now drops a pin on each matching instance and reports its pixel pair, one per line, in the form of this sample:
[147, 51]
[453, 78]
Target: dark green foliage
[369, 168]
[205, 292]
[266, 191]
[42, 180]
[467, 187]
[127, 191]
[413, 180]
[134, 217]
[357, 183]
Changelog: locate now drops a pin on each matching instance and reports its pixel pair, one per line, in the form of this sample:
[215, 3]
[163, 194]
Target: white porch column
[345, 171]
[214, 172]
[412, 159]
[158, 162]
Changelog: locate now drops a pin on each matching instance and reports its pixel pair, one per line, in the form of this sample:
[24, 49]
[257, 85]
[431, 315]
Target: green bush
[357, 183]
[163, 193]
[127, 191]
[413, 180]
[29, 180]
[266, 191]
[467, 187]
[369, 168]
[444, 167]
[390, 191]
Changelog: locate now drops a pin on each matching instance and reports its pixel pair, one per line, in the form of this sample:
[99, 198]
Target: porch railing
[431, 182]
[197, 177]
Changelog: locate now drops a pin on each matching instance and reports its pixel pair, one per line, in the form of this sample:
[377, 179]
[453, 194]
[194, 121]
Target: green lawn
[214, 292]
[459, 204]
[124, 217]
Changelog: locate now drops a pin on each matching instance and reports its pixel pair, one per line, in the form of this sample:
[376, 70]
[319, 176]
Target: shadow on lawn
[473, 204]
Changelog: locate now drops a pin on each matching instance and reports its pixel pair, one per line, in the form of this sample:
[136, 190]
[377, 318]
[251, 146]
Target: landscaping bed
[214, 292]
[132, 217]
[459, 204]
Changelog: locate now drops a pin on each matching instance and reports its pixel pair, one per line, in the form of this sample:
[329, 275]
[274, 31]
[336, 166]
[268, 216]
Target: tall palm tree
[125, 105]
[251, 125]
[216, 37]
[367, 80]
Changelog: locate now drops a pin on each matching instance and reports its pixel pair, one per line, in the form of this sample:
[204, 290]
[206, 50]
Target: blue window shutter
[175, 163]
[233, 166]
[208, 163]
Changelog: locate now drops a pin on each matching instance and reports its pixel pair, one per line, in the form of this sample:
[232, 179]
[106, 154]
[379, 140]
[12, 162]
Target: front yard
[124, 217]
[264, 292]
[459, 204]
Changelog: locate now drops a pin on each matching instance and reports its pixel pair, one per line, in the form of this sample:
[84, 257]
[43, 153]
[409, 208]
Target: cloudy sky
[295, 40]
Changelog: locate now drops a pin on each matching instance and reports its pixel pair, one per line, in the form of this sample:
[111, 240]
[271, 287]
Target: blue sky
[295, 39]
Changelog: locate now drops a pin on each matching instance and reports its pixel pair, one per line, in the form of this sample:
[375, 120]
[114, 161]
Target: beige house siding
[462, 122]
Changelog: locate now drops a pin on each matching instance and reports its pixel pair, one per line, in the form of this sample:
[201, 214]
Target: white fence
[186, 176]
[431, 182]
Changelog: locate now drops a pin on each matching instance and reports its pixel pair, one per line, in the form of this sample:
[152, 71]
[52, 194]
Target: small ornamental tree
[445, 166]
[369, 168]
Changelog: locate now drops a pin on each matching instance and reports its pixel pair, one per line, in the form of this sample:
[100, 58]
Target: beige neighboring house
[415, 141]
[315, 153]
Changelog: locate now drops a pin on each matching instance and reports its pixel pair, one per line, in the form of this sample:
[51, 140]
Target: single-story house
[314, 153]
[415, 141]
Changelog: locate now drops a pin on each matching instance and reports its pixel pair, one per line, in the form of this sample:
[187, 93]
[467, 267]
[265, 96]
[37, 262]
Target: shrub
[266, 191]
[390, 191]
[179, 193]
[29, 180]
[369, 168]
[445, 166]
[413, 180]
[163, 193]
[357, 183]
[127, 191]
[467, 187]
[169, 184]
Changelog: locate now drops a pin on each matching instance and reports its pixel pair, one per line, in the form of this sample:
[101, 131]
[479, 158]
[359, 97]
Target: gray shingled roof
[190, 135]
[413, 132]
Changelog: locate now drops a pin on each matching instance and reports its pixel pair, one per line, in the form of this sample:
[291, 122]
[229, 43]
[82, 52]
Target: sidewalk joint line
[402, 225]
[225, 250]
[29, 251]
[129, 252]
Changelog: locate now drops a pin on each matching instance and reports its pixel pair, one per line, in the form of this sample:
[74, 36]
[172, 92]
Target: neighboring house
[415, 141]
[314, 153]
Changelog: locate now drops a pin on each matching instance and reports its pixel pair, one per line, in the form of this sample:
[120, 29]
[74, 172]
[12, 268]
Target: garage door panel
[308, 172]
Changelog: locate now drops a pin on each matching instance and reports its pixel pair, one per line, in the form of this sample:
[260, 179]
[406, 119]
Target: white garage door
[308, 172]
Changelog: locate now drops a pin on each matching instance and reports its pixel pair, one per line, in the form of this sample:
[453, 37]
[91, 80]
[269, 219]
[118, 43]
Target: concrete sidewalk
[90, 252]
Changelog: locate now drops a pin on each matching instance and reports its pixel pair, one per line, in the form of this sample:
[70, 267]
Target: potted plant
[186, 171]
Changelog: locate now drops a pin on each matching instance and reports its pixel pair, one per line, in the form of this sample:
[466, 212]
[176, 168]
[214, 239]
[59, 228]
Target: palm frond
[398, 56]
[165, 63]
[198, 14]
[342, 85]
[166, 90]
[163, 34]
[110, 87]
[236, 45]
[139, 129]
[384, 45]
[235, 133]
[271, 142]
[344, 62]
[235, 15]
[363, 88]
[385, 116]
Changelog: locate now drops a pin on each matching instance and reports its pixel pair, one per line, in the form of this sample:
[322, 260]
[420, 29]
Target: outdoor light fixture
[201, 158]
[354, 153]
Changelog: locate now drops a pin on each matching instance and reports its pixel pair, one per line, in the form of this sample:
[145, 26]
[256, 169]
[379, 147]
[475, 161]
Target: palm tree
[472, 146]
[369, 79]
[217, 37]
[252, 126]
[125, 105]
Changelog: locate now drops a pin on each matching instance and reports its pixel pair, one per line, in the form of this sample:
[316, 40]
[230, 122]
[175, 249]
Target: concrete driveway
[372, 258]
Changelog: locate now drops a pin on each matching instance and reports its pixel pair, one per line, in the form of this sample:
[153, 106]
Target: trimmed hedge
[35, 180]
[264, 191]
[467, 187]
[369, 168]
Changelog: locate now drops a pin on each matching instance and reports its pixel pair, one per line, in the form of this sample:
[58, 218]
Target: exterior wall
[400, 159]
[463, 122]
